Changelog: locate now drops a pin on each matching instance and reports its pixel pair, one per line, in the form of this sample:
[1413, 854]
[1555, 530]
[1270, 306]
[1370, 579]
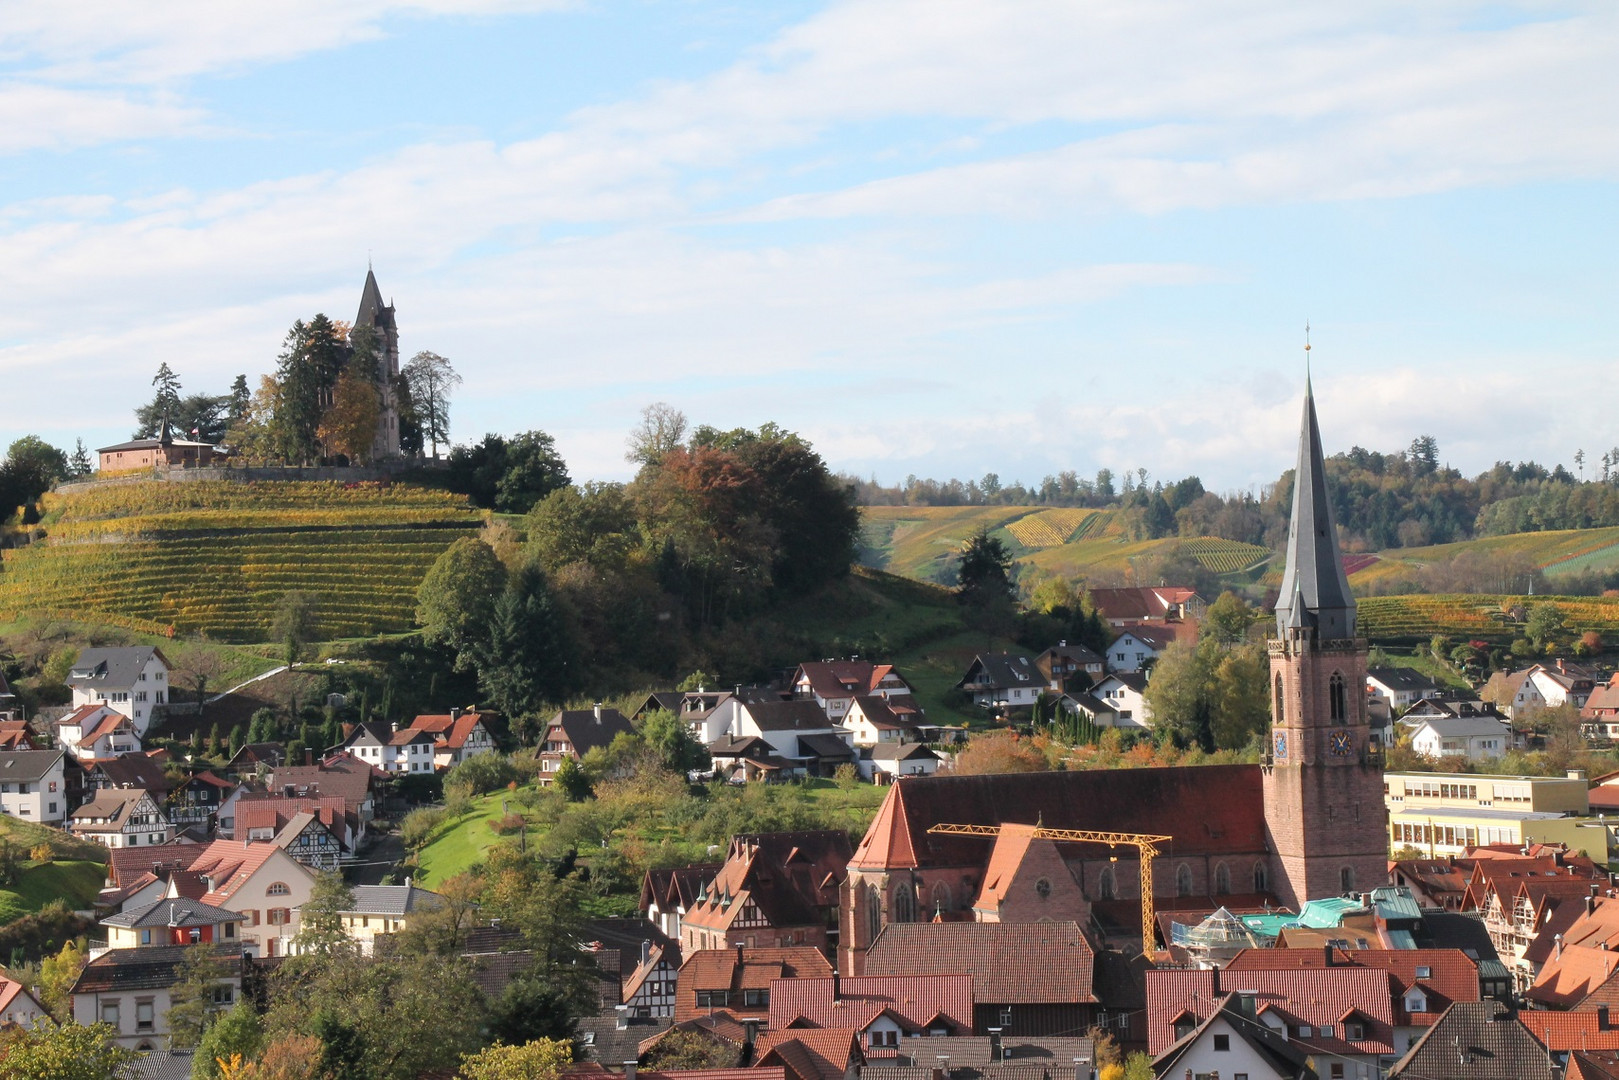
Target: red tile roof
[1451, 977]
[809, 1054]
[1560, 1032]
[1208, 809]
[789, 878]
[229, 864]
[738, 969]
[1011, 963]
[1314, 997]
[915, 1001]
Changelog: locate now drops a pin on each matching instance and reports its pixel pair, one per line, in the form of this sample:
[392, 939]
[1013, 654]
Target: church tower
[1323, 785]
[379, 316]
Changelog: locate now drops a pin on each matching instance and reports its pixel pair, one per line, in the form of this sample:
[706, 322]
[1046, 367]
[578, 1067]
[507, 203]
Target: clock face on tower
[1341, 744]
[1281, 744]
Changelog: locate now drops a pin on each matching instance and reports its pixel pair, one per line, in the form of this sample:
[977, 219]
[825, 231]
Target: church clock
[1281, 744]
[1341, 744]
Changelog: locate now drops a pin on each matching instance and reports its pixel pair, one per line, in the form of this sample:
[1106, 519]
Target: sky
[937, 238]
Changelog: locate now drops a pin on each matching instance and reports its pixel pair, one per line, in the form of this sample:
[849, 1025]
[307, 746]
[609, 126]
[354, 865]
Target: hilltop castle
[380, 317]
[1308, 823]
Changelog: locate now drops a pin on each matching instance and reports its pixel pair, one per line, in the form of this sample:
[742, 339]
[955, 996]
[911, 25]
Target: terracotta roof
[810, 1054]
[1208, 809]
[124, 865]
[11, 991]
[1305, 997]
[916, 1002]
[271, 811]
[738, 969]
[449, 732]
[842, 678]
[229, 864]
[1451, 975]
[1593, 1066]
[1139, 603]
[791, 878]
[1283, 1058]
[1564, 1031]
[1481, 1040]
[1011, 963]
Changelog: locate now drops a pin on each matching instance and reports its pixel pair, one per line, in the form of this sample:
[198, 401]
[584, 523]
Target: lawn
[75, 881]
[935, 667]
[461, 846]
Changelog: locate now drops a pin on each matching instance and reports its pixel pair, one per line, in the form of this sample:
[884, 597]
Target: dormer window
[1416, 1001]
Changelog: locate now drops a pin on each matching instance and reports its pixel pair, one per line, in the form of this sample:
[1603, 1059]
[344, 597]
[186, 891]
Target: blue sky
[937, 238]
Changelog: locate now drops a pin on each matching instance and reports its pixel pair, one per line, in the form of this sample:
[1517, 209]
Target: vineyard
[1416, 618]
[1224, 556]
[182, 565]
[1054, 528]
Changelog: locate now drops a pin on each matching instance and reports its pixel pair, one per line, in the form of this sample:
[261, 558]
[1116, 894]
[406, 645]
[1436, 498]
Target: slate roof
[827, 747]
[1011, 963]
[111, 668]
[179, 911]
[893, 751]
[1466, 727]
[27, 766]
[585, 731]
[342, 775]
[122, 970]
[677, 886]
[1001, 671]
[393, 899]
[1209, 810]
[111, 806]
[1314, 593]
[132, 771]
[916, 1002]
[1401, 679]
[799, 715]
[1479, 1040]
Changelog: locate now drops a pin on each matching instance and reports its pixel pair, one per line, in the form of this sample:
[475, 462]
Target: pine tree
[79, 464]
[238, 739]
[168, 392]
[213, 740]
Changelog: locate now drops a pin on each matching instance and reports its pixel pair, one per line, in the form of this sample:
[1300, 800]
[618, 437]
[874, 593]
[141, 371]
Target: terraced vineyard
[1052, 528]
[216, 558]
[1411, 619]
[1224, 556]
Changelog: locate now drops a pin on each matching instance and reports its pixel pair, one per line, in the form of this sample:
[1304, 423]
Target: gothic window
[1261, 878]
[1108, 886]
[1338, 700]
[904, 908]
[941, 897]
[1183, 880]
[1222, 880]
[874, 913]
[1346, 879]
[1277, 715]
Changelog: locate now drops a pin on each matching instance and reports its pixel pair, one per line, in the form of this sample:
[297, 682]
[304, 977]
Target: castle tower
[374, 313]
[1323, 787]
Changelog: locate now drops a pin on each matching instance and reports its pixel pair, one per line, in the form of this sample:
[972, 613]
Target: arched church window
[1261, 878]
[874, 913]
[1277, 714]
[1108, 886]
[1222, 880]
[1338, 699]
[904, 908]
[1183, 880]
[1346, 879]
[941, 897]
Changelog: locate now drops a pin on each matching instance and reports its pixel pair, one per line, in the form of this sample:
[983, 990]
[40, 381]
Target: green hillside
[214, 558]
[76, 882]
[1564, 551]
[921, 542]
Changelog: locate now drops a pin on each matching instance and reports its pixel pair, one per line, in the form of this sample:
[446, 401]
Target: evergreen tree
[528, 659]
[983, 575]
[238, 739]
[168, 392]
[312, 359]
[241, 399]
[79, 465]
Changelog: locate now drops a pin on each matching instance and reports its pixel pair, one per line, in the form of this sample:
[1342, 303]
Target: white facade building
[131, 680]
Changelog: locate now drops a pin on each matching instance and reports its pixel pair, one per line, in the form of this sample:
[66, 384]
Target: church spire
[1315, 593]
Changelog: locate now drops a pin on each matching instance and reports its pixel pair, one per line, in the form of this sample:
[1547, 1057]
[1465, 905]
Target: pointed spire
[1315, 592]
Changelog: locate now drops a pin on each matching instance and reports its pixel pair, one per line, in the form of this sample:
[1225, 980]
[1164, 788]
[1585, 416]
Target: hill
[1566, 551]
[921, 542]
[214, 558]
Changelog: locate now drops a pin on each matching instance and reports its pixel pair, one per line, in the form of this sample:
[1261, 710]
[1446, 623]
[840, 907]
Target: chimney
[646, 950]
[598, 712]
[629, 1070]
[1557, 947]
[739, 952]
[394, 727]
[836, 985]
[995, 1044]
[407, 881]
[455, 712]
[1327, 952]
[750, 1032]
[309, 755]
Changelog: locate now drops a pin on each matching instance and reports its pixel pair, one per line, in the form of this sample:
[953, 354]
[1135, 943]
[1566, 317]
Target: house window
[277, 888]
[146, 937]
[109, 1013]
[1337, 1070]
[1354, 1032]
[1222, 1042]
[711, 999]
[143, 1014]
[756, 997]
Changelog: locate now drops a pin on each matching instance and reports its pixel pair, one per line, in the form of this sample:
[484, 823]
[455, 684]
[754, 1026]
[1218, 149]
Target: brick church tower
[1323, 786]
[374, 313]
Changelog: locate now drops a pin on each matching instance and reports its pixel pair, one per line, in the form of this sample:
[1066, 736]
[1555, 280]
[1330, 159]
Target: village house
[797, 733]
[736, 981]
[811, 1054]
[1059, 664]
[887, 762]
[1582, 961]
[129, 679]
[1002, 681]
[17, 734]
[160, 451]
[262, 882]
[97, 731]
[1147, 604]
[394, 750]
[341, 775]
[1030, 979]
[1090, 708]
[1124, 694]
[834, 684]
[385, 909]
[1474, 738]
[121, 817]
[1398, 688]
[457, 735]
[254, 759]
[18, 1006]
[126, 771]
[1601, 710]
[573, 733]
[129, 989]
[883, 1010]
[1482, 1040]
[172, 920]
[198, 799]
[1529, 690]
[666, 895]
[33, 786]
[773, 889]
[872, 719]
[8, 703]
[1228, 1039]
[316, 832]
[1136, 648]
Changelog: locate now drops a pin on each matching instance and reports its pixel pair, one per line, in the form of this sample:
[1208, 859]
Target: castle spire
[1315, 592]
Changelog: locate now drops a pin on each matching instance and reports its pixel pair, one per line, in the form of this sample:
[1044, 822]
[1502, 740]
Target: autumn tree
[295, 622]
[237, 1032]
[455, 603]
[680, 1049]
[999, 752]
[349, 425]
[51, 1051]
[57, 974]
[542, 1059]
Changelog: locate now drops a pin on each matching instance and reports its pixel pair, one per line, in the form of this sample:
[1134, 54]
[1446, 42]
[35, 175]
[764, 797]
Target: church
[1307, 823]
[380, 317]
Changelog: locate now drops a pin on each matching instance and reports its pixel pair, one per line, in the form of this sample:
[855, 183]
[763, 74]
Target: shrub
[508, 825]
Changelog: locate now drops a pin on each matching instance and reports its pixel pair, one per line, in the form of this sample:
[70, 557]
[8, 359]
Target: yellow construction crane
[1144, 843]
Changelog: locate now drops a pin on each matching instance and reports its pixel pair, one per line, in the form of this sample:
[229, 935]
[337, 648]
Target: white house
[1543, 686]
[18, 1006]
[262, 882]
[1001, 680]
[457, 735]
[1231, 1044]
[1125, 693]
[1400, 688]
[31, 785]
[834, 684]
[130, 679]
[871, 720]
[392, 749]
[886, 762]
[1138, 647]
[121, 817]
[97, 731]
[129, 989]
[797, 731]
[1472, 737]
